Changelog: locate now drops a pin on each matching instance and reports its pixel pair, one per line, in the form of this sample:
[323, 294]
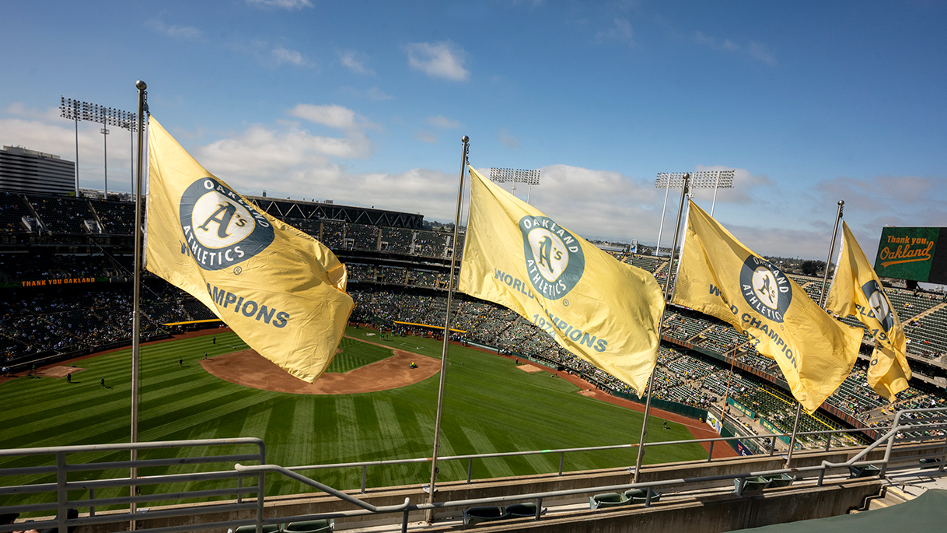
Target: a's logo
[765, 288]
[554, 258]
[220, 227]
[878, 303]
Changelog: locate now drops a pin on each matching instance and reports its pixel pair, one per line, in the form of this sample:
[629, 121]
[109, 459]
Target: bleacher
[401, 287]
[63, 215]
[13, 208]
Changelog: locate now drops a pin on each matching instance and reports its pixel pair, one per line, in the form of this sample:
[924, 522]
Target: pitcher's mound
[250, 369]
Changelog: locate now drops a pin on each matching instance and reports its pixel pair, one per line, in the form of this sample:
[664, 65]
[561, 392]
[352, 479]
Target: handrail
[325, 488]
[62, 485]
[906, 421]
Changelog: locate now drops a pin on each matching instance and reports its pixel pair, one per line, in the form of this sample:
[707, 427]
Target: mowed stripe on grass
[489, 406]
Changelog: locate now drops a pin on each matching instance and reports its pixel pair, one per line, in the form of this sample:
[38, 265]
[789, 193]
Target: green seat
[475, 515]
[522, 510]
[607, 499]
[309, 526]
[930, 462]
[267, 528]
[863, 471]
[779, 480]
[753, 484]
[641, 495]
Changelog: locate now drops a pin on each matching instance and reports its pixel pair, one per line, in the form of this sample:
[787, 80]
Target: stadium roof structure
[343, 213]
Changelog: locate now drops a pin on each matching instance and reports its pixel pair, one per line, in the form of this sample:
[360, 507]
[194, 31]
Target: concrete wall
[712, 514]
[724, 510]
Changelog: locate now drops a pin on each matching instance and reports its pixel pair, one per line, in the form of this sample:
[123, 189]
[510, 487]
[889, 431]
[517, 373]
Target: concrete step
[891, 496]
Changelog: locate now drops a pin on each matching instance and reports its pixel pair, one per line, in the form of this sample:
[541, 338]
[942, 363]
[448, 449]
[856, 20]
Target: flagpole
[136, 305]
[667, 292]
[822, 295]
[450, 297]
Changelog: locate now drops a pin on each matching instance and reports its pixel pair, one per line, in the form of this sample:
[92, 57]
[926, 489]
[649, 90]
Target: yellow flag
[856, 290]
[600, 309]
[280, 290]
[720, 277]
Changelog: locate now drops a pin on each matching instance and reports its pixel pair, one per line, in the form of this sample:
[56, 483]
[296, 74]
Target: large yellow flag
[856, 290]
[281, 290]
[722, 278]
[600, 309]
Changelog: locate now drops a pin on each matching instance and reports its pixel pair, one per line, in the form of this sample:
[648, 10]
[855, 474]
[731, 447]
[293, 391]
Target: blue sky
[365, 103]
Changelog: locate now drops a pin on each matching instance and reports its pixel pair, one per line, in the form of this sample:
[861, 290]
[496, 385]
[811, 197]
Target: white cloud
[333, 116]
[355, 62]
[45, 131]
[50, 114]
[282, 55]
[281, 4]
[620, 31]
[441, 60]
[443, 122]
[596, 203]
[507, 140]
[425, 136]
[273, 56]
[754, 50]
[174, 31]
[377, 95]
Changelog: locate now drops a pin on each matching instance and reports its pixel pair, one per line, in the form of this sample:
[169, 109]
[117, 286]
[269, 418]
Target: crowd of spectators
[41, 322]
[36, 323]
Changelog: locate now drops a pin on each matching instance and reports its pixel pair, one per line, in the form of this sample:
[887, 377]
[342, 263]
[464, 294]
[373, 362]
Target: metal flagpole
[136, 305]
[825, 280]
[450, 297]
[667, 293]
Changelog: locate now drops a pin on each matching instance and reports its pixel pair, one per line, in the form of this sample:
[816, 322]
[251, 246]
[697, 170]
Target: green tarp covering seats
[925, 514]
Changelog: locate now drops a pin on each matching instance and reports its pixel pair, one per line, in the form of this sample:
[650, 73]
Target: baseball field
[491, 405]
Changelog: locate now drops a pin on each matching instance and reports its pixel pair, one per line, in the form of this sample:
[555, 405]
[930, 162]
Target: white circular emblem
[224, 222]
[764, 286]
[551, 255]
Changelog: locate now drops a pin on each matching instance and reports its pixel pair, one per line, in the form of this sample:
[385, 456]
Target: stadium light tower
[508, 175]
[702, 179]
[76, 110]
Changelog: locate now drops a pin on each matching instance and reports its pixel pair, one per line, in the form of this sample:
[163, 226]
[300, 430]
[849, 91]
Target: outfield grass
[489, 406]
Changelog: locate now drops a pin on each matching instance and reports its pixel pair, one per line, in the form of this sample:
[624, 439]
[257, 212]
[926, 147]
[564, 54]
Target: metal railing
[920, 425]
[64, 485]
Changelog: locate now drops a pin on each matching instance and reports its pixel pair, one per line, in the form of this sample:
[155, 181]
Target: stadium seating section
[399, 276]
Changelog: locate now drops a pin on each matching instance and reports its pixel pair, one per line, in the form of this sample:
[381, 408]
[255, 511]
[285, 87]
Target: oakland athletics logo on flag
[765, 288]
[281, 290]
[221, 228]
[517, 257]
[878, 305]
[554, 258]
[856, 290]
